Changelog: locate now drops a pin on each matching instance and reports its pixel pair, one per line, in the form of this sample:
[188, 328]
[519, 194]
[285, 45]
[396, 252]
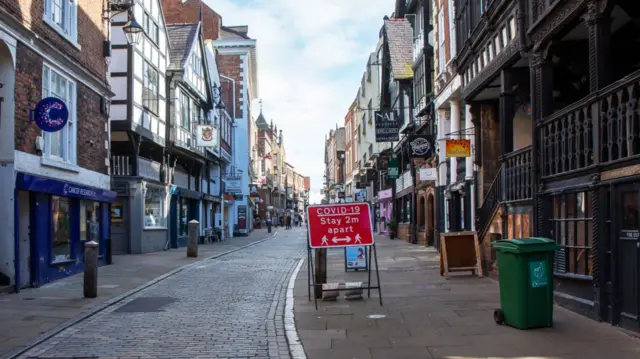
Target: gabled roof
[234, 32]
[399, 36]
[181, 40]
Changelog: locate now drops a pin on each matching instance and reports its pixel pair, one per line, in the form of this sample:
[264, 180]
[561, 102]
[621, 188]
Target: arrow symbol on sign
[336, 240]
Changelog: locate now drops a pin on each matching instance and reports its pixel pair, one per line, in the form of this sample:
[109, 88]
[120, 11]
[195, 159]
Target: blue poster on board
[355, 258]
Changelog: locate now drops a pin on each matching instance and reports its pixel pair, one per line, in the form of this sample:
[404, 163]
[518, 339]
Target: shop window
[154, 214]
[407, 211]
[571, 229]
[61, 229]
[89, 221]
[183, 217]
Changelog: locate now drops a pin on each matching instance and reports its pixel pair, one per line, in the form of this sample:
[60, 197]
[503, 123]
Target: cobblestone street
[229, 307]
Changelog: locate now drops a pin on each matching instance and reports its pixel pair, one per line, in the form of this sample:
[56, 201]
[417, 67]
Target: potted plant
[393, 227]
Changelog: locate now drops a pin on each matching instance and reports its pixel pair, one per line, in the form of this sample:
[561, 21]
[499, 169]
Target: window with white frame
[62, 15]
[441, 43]
[184, 110]
[150, 95]
[60, 145]
[452, 33]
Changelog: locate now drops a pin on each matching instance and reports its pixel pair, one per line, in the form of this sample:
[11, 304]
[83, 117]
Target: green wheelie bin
[525, 272]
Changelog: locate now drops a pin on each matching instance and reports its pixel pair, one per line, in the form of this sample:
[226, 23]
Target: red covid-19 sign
[339, 225]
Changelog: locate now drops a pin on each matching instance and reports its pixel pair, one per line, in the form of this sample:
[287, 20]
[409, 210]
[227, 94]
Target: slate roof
[181, 38]
[261, 122]
[400, 39]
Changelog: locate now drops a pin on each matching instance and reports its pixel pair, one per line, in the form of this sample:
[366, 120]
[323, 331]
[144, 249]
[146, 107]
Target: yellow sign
[458, 148]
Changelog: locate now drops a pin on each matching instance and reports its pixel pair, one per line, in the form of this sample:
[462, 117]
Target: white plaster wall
[119, 86]
[7, 78]
[28, 163]
[7, 247]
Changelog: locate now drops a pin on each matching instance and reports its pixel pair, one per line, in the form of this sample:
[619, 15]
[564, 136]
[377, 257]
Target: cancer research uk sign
[339, 225]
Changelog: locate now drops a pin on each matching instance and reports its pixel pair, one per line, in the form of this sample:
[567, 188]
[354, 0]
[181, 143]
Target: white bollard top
[92, 244]
[193, 221]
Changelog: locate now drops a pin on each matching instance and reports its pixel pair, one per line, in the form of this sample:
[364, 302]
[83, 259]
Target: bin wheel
[498, 316]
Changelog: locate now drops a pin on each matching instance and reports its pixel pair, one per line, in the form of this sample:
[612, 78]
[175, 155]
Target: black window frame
[564, 230]
[151, 28]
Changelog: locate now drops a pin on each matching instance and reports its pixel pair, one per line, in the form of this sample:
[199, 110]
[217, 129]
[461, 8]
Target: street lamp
[132, 30]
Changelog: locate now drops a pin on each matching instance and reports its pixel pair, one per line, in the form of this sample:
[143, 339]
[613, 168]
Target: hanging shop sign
[253, 191]
[361, 196]
[50, 114]
[428, 174]
[387, 126]
[420, 146]
[458, 148]
[393, 170]
[233, 184]
[207, 136]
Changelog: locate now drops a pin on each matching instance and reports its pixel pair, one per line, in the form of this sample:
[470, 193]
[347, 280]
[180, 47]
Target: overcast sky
[311, 56]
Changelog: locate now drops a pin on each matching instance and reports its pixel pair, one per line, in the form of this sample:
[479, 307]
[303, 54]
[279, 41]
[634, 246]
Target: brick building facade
[58, 181]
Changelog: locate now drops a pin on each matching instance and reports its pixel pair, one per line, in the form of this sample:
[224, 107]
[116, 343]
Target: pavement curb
[14, 354]
[295, 345]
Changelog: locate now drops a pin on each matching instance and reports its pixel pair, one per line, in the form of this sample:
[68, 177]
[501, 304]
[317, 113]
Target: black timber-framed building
[552, 89]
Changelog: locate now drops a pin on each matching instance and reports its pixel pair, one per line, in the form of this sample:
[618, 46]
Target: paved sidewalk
[34, 311]
[428, 317]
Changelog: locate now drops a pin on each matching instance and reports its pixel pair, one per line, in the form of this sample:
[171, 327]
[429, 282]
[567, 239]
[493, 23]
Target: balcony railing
[602, 128]
[121, 166]
[517, 175]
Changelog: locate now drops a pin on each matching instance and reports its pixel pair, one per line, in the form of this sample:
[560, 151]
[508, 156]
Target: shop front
[185, 207]
[139, 213]
[404, 206]
[59, 218]
[385, 199]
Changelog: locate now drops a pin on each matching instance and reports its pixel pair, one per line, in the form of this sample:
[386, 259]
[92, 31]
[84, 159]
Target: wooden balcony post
[598, 20]
[507, 111]
[541, 83]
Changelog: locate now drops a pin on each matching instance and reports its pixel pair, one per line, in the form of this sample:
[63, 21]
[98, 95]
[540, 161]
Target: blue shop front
[185, 206]
[62, 216]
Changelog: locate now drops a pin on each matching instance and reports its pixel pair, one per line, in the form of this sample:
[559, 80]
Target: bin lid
[525, 245]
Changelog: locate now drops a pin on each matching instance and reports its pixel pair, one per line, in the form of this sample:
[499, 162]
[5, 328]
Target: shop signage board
[233, 184]
[387, 126]
[207, 136]
[50, 114]
[458, 148]
[393, 170]
[420, 146]
[340, 225]
[60, 188]
[428, 174]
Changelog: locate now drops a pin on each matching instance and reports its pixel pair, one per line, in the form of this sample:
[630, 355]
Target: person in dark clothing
[288, 219]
